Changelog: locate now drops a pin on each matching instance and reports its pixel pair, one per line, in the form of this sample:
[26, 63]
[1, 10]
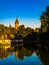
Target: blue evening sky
[27, 11]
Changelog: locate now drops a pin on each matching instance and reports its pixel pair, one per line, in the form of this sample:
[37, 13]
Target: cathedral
[16, 24]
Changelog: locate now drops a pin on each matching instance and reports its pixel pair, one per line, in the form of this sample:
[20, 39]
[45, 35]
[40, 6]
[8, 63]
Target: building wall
[16, 26]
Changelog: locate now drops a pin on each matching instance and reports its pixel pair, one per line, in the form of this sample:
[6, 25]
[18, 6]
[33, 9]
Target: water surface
[23, 56]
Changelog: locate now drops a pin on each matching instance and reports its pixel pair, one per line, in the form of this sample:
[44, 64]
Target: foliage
[45, 27]
[45, 20]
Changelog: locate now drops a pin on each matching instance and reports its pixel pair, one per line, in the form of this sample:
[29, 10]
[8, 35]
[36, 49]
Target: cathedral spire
[16, 24]
[16, 20]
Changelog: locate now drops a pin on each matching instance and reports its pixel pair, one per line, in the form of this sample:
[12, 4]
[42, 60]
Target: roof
[16, 20]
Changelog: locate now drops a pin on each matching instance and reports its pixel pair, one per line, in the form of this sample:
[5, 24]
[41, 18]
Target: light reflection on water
[22, 56]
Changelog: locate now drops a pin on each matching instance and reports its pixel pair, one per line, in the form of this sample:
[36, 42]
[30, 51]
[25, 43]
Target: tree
[21, 32]
[45, 27]
[29, 30]
[45, 20]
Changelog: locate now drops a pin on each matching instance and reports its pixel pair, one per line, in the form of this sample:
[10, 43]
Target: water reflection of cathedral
[19, 53]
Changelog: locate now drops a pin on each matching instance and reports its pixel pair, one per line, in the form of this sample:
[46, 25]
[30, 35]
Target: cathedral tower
[16, 24]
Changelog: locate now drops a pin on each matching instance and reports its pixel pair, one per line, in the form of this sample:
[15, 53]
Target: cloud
[28, 22]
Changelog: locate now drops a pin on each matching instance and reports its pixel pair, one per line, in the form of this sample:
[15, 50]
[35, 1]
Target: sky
[27, 11]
